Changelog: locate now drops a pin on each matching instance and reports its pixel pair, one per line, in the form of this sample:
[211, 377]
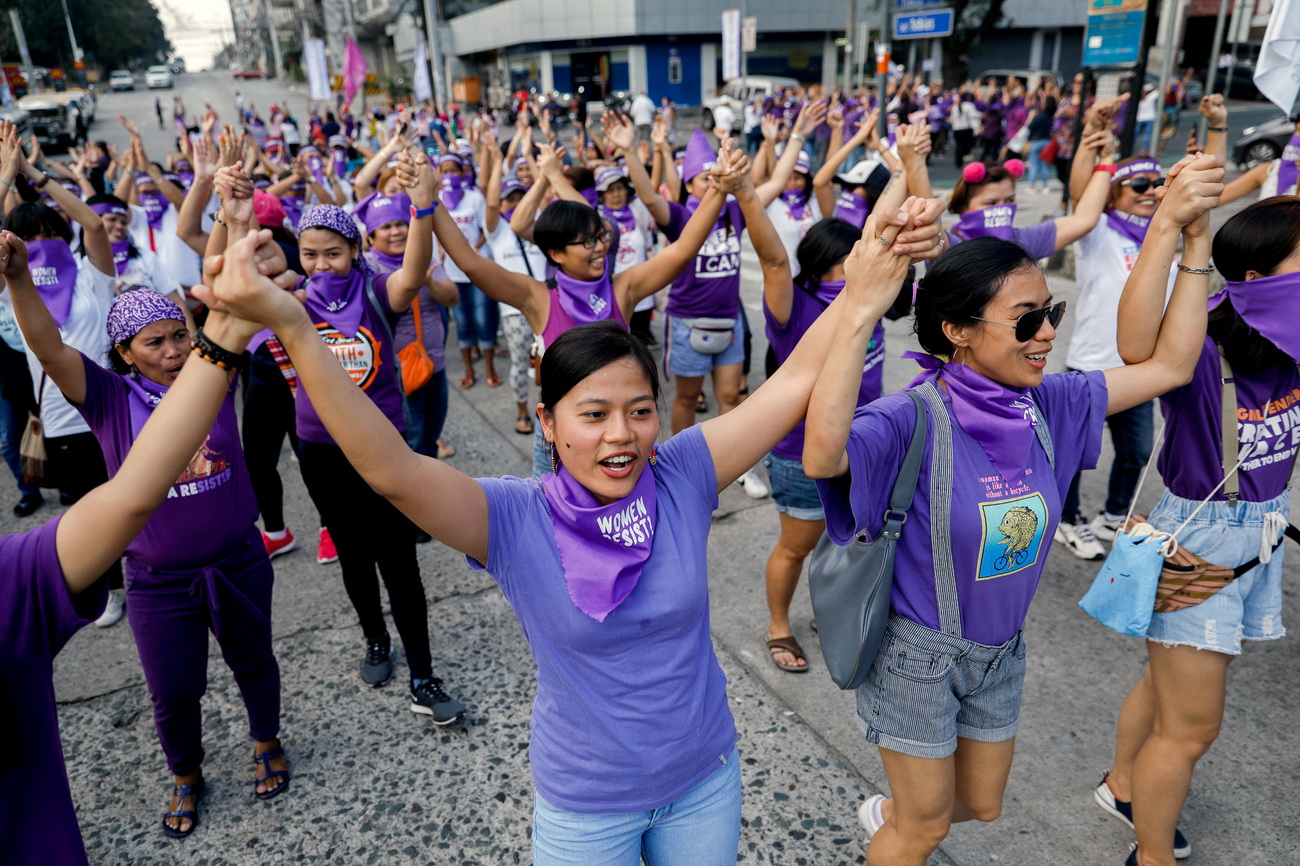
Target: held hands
[732, 171]
[418, 177]
[874, 267]
[659, 132]
[249, 287]
[1190, 192]
[913, 142]
[235, 192]
[924, 238]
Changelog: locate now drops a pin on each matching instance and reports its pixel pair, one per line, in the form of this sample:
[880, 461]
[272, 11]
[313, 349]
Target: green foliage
[975, 20]
[112, 33]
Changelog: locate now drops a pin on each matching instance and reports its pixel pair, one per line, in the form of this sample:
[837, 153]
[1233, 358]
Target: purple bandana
[383, 263]
[1129, 225]
[374, 210]
[624, 217]
[316, 164]
[1287, 171]
[71, 186]
[602, 547]
[108, 208]
[1269, 305]
[1000, 419]
[155, 204]
[337, 299]
[293, 206]
[340, 157]
[586, 301]
[54, 271]
[1128, 169]
[332, 217]
[828, 290]
[134, 311]
[149, 393]
[121, 254]
[852, 208]
[453, 189]
[797, 201]
[992, 221]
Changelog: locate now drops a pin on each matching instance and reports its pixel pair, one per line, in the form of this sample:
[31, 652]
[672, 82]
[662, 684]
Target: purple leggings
[171, 611]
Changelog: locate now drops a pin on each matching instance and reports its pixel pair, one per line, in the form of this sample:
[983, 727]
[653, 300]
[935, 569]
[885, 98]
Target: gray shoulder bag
[851, 585]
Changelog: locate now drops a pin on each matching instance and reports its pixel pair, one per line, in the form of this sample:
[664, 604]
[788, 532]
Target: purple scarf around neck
[828, 290]
[852, 208]
[1129, 225]
[1287, 170]
[1000, 419]
[121, 255]
[453, 190]
[338, 299]
[383, 262]
[995, 221]
[1269, 305]
[602, 547]
[797, 201]
[54, 272]
[586, 301]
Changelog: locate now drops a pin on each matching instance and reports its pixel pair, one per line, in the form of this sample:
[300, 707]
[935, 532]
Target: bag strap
[419, 326]
[941, 476]
[392, 343]
[40, 392]
[524, 255]
[909, 474]
[1231, 481]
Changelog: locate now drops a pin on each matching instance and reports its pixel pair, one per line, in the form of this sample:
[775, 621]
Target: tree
[975, 19]
[112, 34]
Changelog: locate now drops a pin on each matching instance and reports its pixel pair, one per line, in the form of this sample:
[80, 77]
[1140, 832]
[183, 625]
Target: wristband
[794, 136]
[1190, 270]
[428, 211]
[1108, 167]
[1217, 128]
[45, 178]
[214, 354]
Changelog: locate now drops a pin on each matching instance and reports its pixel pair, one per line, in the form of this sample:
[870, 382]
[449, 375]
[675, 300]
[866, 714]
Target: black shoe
[67, 499]
[27, 506]
[422, 537]
[428, 698]
[377, 667]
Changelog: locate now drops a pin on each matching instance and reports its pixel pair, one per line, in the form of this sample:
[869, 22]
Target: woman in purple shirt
[1251, 331]
[605, 564]
[942, 699]
[52, 587]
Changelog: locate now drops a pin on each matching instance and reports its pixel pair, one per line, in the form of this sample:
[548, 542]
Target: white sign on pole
[318, 76]
[421, 86]
[730, 44]
[749, 34]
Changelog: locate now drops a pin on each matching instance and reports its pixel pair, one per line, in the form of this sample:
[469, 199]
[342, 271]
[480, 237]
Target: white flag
[423, 88]
[318, 76]
[1277, 73]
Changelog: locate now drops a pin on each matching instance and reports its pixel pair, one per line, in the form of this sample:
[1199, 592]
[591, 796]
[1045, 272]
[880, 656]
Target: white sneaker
[1079, 540]
[754, 486]
[1105, 527]
[870, 816]
[114, 610]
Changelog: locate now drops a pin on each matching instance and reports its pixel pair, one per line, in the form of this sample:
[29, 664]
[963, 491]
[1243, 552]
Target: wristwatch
[416, 213]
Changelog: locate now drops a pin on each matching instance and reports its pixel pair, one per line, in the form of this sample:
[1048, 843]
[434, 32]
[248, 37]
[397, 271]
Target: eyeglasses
[1141, 184]
[1029, 324]
[589, 243]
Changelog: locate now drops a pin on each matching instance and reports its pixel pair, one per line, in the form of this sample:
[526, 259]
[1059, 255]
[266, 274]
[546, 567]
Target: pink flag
[354, 71]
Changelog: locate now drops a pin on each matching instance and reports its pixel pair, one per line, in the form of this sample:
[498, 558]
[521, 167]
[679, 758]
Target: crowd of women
[334, 255]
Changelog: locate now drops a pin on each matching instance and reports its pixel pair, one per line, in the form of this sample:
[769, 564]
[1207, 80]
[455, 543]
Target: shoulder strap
[522, 252]
[1044, 435]
[40, 392]
[904, 493]
[419, 326]
[1232, 483]
[941, 475]
[392, 343]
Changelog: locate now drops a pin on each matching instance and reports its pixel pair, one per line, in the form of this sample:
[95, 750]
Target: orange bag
[417, 366]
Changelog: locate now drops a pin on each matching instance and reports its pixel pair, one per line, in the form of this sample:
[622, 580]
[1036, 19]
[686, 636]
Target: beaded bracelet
[1190, 270]
[214, 354]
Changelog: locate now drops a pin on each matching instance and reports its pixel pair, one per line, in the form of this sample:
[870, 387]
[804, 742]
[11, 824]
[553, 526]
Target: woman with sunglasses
[1002, 443]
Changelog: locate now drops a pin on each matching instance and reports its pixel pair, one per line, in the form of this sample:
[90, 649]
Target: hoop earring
[555, 459]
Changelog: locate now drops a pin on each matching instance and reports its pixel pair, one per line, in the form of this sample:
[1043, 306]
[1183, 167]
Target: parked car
[740, 90]
[158, 77]
[177, 65]
[249, 73]
[19, 118]
[121, 79]
[53, 118]
[1263, 142]
[86, 100]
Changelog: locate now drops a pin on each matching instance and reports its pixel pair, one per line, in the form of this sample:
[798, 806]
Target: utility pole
[850, 30]
[1166, 65]
[1149, 29]
[21, 38]
[435, 56]
[275, 38]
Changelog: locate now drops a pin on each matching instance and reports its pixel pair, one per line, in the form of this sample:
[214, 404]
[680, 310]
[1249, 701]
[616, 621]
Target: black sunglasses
[1029, 324]
[601, 237]
[1141, 184]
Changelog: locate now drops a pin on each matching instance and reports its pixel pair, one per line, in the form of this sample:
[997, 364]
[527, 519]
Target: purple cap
[133, 311]
[699, 156]
[374, 210]
[607, 177]
[803, 164]
[512, 184]
[104, 208]
[339, 141]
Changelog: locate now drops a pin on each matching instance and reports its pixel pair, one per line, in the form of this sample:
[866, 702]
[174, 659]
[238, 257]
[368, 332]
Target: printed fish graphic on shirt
[1018, 527]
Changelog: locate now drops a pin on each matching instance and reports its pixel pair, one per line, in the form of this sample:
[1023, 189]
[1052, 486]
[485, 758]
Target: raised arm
[494, 172]
[189, 223]
[524, 218]
[421, 182]
[620, 132]
[913, 147]
[61, 362]
[1161, 351]
[363, 184]
[1096, 193]
[778, 279]
[826, 174]
[810, 117]
[93, 235]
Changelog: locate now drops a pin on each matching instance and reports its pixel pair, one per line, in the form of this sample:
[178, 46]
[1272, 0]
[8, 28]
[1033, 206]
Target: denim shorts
[928, 688]
[682, 360]
[1249, 608]
[793, 492]
[700, 827]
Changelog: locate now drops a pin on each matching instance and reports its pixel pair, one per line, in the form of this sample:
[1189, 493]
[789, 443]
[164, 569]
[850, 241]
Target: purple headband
[451, 157]
[1142, 166]
[133, 311]
[338, 141]
[104, 208]
[332, 217]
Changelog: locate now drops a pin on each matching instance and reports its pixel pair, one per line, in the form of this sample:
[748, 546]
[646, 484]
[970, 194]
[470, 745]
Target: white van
[738, 91]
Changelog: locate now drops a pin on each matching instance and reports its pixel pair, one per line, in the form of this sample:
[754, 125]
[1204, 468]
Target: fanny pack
[711, 336]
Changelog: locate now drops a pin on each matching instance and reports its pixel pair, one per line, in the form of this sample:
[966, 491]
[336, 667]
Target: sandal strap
[265, 759]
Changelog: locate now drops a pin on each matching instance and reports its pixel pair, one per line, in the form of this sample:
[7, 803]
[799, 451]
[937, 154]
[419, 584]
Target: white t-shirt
[1147, 107]
[634, 248]
[964, 115]
[724, 117]
[146, 269]
[470, 216]
[791, 230]
[505, 251]
[1103, 259]
[177, 257]
[1268, 188]
[643, 111]
[84, 331]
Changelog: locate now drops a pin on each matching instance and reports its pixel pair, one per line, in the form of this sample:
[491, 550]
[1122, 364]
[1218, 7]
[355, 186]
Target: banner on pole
[730, 44]
[420, 84]
[318, 76]
[354, 71]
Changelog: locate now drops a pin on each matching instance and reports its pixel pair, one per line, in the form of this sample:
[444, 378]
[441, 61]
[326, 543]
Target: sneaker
[1105, 526]
[754, 486]
[870, 816]
[27, 506]
[428, 698]
[279, 546]
[114, 610]
[377, 666]
[1123, 810]
[1079, 540]
[326, 553]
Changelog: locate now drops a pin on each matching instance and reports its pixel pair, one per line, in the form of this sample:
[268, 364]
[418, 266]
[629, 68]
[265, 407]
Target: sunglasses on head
[1141, 184]
[1029, 324]
[601, 237]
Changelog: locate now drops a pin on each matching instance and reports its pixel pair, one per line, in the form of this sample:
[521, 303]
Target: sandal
[494, 381]
[467, 382]
[524, 425]
[264, 760]
[180, 792]
[788, 645]
[701, 405]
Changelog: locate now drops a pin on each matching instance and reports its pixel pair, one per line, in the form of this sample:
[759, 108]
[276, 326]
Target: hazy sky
[197, 29]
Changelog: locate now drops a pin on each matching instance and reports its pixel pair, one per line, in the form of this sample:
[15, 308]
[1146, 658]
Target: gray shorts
[928, 688]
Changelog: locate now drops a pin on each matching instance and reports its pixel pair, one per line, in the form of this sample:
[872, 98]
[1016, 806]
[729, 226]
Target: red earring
[654, 456]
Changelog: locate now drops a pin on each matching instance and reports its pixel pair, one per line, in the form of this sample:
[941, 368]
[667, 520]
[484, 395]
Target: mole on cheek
[567, 445]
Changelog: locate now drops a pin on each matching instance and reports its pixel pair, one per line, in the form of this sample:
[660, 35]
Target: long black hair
[960, 284]
[827, 244]
[30, 219]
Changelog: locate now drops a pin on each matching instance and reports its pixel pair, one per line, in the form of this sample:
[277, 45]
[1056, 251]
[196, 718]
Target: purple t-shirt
[211, 506]
[632, 712]
[369, 360]
[38, 824]
[710, 286]
[990, 518]
[1191, 461]
[804, 310]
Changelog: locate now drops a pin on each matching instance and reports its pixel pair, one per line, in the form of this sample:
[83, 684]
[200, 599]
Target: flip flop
[524, 425]
[494, 381]
[789, 645]
[467, 382]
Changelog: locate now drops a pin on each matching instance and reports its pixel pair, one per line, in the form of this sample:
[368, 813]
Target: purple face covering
[1287, 171]
[992, 221]
[121, 254]
[1269, 305]
[54, 271]
[828, 290]
[340, 157]
[338, 299]
[602, 547]
[1129, 225]
[586, 301]
[453, 189]
[797, 200]
[316, 165]
[1000, 419]
[155, 204]
[134, 311]
[852, 208]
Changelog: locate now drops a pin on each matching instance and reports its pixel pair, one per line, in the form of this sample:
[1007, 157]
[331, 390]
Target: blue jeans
[701, 827]
[477, 318]
[12, 423]
[428, 412]
[1037, 165]
[1131, 432]
[1142, 138]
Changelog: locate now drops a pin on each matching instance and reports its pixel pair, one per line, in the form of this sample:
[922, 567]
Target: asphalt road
[375, 783]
